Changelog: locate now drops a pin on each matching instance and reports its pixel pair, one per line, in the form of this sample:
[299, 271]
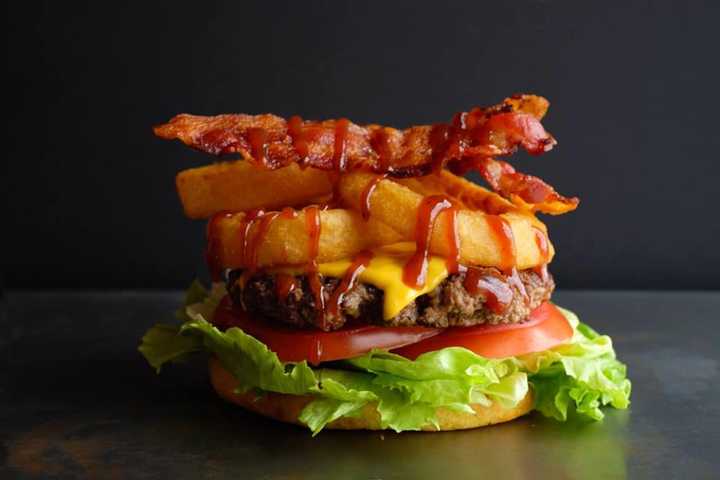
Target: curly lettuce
[578, 376]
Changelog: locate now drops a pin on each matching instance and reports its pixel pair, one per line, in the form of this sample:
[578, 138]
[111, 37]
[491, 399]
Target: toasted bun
[287, 408]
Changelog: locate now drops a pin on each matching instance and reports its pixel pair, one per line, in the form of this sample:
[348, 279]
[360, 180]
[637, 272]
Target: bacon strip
[469, 141]
[525, 191]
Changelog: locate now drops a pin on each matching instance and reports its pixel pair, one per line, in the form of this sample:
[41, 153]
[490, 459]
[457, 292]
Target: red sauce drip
[446, 141]
[299, 141]
[339, 154]
[542, 271]
[252, 246]
[288, 213]
[452, 260]
[257, 137]
[415, 270]
[284, 285]
[212, 252]
[542, 244]
[503, 234]
[381, 144]
[367, 193]
[312, 224]
[349, 280]
[438, 144]
[497, 292]
[245, 227]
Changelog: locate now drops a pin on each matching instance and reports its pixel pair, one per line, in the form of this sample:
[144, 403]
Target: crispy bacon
[469, 141]
[525, 191]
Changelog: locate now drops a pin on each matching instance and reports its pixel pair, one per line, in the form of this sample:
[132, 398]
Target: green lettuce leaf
[163, 343]
[579, 376]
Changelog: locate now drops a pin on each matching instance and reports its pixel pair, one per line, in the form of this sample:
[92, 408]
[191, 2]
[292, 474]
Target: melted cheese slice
[385, 271]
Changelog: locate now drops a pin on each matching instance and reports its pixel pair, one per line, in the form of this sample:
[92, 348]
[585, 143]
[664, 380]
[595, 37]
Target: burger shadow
[111, 412]
[527, 448]
[116, 415]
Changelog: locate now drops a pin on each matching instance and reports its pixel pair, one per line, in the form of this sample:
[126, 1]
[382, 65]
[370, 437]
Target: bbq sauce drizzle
[298, 138]
[493, 287]
[313, 226]
[542, 243]
[472, 134]
[261, 226]
[349, 280]
[496, 289]
[339, 155]
[251, 233]
[258, 140]
[446, 142]
[367, 194]
[415, 270]
[285, 284]
[503, 234]
[380, 142]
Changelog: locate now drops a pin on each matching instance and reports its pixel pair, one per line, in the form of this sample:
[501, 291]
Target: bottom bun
[287, 408]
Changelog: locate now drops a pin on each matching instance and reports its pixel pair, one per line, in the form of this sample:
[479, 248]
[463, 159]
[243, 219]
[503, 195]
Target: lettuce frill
[578, 376]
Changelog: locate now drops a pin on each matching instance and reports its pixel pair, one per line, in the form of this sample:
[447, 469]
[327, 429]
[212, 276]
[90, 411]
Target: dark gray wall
[88, 192]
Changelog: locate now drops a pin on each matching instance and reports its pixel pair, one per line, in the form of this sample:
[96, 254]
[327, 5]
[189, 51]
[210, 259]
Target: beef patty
[448, 305]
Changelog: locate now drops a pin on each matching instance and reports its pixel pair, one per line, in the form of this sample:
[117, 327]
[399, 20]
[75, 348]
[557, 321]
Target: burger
[360, 281]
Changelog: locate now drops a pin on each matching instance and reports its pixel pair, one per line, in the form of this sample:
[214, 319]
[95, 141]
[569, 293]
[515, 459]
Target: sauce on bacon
[380, 143]
[339, 155]
[415, 270]
[470, 141]
[298, 139]
[446, 141]
[258, 138]
[349, 280]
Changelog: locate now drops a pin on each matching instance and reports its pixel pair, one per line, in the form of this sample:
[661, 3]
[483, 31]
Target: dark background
[89, 194]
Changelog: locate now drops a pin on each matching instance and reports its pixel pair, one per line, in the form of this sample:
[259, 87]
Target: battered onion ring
[240, 186]
[393, 212]
[396, 205]
[343, 233]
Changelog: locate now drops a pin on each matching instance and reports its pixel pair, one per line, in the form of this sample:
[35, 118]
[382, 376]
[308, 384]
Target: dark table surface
[78, 401]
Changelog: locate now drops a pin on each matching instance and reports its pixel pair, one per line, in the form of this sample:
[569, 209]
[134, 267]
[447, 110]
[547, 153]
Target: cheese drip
[385, 271]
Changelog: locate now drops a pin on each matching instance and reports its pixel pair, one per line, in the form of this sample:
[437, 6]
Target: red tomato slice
[546, 328]
[294, 345]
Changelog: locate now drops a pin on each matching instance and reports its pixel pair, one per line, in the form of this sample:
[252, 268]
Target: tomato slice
[546, 328]
[294, 345]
